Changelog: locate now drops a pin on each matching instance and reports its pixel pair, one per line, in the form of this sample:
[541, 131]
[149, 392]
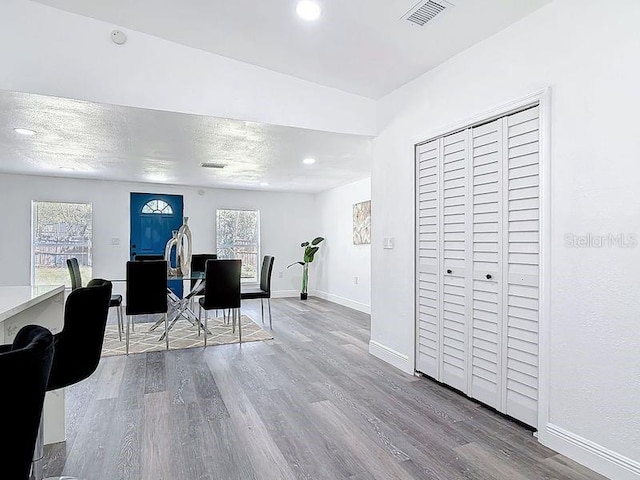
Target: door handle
[489, 276]
[449, 271]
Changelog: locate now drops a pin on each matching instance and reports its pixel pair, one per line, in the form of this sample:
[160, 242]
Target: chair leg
[269, 303]
[127, 334]
[232, 319]
[120, 323]
[206, 326]
[199, 317]
[238, 315]
[133, 325]
[262, 309]
[166, 329]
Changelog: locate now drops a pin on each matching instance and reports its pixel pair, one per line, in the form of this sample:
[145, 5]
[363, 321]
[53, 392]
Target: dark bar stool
[264, 291]
[147, 292]
[79, 344]
[76, 282]
[222, 291]
[24, 373]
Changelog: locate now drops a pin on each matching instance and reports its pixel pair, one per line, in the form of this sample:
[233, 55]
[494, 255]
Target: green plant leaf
[310, 253]
[296, 263]
[317, 240]
[304, 244]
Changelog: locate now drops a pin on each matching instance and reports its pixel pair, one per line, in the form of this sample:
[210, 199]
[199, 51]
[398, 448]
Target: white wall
[339, 260]
[49, 51]
[279, 233]
[589, 56]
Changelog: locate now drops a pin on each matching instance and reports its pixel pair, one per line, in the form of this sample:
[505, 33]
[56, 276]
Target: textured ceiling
[359, 46]
[133, 144]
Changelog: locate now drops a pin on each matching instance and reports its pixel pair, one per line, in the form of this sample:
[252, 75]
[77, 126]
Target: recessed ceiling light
[309, 161]
[264, 184]
[308, 10]
[24, 131]
[67, 169]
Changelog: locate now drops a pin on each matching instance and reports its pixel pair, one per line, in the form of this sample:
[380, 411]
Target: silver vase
[184, 247]
[171, 244]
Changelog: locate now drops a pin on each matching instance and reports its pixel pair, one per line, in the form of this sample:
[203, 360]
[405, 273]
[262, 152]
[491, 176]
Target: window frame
[33, 236]
[245, 281]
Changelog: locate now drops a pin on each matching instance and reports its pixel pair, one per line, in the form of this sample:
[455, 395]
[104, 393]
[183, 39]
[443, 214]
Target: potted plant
[310, 250]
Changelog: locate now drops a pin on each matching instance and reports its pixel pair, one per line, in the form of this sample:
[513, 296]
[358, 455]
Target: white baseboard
[285, 293]
[361, 307]
[390, 356]
[594, 456]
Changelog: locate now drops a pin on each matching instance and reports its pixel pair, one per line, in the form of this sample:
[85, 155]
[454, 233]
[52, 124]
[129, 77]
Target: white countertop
[14, 300]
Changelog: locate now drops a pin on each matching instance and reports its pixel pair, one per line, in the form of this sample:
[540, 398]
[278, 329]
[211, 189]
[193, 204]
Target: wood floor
[311, 404]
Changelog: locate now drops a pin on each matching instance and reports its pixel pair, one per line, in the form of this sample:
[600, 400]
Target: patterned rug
[182, 335]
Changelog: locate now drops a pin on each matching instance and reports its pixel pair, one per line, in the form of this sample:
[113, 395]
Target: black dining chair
[76, 282]
[221, 292]
[147, 258]
[147, 292]
[264, 290]
[24, 373]
[198, 264]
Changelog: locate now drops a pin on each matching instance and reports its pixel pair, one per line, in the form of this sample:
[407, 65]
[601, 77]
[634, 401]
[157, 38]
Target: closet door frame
[542, 98]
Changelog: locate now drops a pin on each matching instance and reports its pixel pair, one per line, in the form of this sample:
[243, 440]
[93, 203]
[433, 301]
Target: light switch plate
[388, 243]
[115, 242]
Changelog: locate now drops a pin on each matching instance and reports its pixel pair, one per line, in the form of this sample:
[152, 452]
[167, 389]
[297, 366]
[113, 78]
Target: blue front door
[153, 218]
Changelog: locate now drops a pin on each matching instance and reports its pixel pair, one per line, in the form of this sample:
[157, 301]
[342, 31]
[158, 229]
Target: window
[158, 207]
[238, 236]
[60, 231]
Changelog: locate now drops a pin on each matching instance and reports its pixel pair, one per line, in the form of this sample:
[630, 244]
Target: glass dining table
[179, 307]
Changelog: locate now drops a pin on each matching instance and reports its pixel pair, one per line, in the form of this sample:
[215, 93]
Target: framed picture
[362, 223]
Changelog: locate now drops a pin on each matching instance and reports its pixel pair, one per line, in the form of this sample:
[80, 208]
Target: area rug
[182, 335]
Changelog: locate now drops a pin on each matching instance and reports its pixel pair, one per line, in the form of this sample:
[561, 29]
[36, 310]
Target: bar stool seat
[24, 373]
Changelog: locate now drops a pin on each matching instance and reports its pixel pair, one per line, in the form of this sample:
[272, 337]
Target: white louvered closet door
[428, 346]
[454, 260]
[522, 267]
[486, 318]
[478, 262]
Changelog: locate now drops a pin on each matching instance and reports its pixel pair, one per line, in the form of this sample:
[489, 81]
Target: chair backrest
[265, 273]
[147, 258]
[24, 372]
[74, 272]
[146, 287]
[79, 344]
[222, 284]
[199, 262]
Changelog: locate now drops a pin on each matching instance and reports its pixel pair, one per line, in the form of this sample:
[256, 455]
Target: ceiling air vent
[212, 165]
[424, 12]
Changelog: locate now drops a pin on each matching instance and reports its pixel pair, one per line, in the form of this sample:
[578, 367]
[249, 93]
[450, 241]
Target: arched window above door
[158, 207]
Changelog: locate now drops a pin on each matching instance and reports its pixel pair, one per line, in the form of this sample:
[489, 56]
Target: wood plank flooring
[310, 404]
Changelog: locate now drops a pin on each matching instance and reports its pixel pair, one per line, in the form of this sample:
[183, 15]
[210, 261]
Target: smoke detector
[118, 37]
[424, 12]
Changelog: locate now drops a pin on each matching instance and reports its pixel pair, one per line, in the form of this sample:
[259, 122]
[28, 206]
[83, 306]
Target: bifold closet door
[442, 171]
[454, 262]
[487, 308]
[522, 200]
[478, 262]
[504, 323]
[428, 336]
